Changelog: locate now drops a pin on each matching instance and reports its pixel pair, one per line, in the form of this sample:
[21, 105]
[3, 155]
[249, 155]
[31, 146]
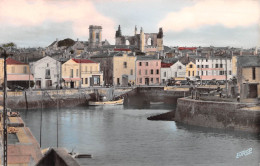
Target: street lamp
[4, 55]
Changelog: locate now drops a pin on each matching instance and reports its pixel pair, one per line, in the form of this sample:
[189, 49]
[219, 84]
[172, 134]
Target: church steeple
[135, 30]
[118, 32]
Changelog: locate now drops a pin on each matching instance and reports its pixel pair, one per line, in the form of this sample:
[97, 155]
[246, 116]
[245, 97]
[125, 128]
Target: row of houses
[124, 68]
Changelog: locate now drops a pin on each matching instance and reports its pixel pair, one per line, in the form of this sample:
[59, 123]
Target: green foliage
[8, 45]
[66, 42]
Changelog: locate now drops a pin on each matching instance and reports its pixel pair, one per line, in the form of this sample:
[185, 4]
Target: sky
[37, 23]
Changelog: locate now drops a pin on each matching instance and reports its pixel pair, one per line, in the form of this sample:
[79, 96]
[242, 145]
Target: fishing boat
[100, 103]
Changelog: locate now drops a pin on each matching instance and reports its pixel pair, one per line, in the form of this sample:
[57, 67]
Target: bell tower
[95, 36]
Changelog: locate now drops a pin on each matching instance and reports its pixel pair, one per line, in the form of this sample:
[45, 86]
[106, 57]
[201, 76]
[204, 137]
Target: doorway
[252, 91]
[146, 81]
[71, 84]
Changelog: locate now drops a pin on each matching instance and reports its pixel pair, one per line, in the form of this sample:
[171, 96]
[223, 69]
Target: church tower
[160, 40]
[118, 36]
[95, 36]
[142, 40]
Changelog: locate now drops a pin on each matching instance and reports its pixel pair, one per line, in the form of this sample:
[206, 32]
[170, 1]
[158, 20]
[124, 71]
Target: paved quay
[23, 148]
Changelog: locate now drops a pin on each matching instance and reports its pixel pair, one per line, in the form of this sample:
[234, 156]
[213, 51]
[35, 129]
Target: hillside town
[138, 60]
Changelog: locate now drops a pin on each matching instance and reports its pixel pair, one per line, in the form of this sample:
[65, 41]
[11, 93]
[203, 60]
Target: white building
[47, 73]
[209, 68]
[178, 70]
[166, 73]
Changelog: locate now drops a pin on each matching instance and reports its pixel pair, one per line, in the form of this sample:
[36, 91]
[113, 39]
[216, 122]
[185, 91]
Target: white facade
[178, 70]
[213, 68]
[166, 74]
[47, 73]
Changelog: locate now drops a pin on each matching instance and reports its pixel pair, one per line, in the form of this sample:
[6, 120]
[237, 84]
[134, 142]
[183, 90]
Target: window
[71, 73]
[202, 73]
[202, 66]
[140, 63]
[157, 80]
[86, 80]
[47, 64]
[151, 71]
[189, 73]
[97, 35]
[206, 60]
[253, 73]
[230, 72]
[131, 72]
[81, 80]
[157, 71]
[206, 66]
[140, 80]
[176, 74]
[146, 63]
[192, 73]
[216, 65]
[221, 65]
[198, 66]
[118, 81]
[179, 67]
[198, 73]
[198, 60]
[140, 72]
[125, 64]
[25, 69]
[77, 72]
[151, 80]
[47, 73]
[145, 72]
[221, 72]
[190, 66]
[164, 74]
[206, 73]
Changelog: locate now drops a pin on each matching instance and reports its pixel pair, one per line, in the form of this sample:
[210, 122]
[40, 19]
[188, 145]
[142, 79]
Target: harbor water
[122, 136]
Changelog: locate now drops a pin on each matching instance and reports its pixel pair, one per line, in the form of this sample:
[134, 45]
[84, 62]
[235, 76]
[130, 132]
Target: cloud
[228, 13]
[32, 13]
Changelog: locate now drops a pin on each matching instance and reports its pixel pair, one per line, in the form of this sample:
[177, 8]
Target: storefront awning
[71, 79]
[19, 77]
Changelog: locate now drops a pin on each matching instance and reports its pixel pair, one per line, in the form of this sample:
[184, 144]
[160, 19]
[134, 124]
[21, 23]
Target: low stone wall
[32, 99]
[224, 115]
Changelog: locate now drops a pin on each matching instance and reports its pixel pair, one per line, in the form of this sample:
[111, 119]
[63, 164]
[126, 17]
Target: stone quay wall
[224, 115]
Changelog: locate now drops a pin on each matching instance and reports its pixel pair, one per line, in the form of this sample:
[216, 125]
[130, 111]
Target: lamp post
[4, 55]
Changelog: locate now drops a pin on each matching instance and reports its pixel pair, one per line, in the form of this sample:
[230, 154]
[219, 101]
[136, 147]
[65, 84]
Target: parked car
[16, 88]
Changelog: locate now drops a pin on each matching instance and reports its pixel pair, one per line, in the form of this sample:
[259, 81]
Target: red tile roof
[10, 61]
[165, 65]
[122, 49]
[83, 61]
[187, 48]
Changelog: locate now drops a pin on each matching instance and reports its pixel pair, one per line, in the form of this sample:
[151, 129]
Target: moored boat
[114, 102]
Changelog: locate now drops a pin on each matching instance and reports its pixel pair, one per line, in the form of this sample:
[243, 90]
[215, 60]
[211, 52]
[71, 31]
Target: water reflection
[122, 135]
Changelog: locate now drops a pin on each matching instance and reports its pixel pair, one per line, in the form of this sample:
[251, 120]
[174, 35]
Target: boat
[100, 103]
[78, 155]
[83, 156]
[156, 103]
